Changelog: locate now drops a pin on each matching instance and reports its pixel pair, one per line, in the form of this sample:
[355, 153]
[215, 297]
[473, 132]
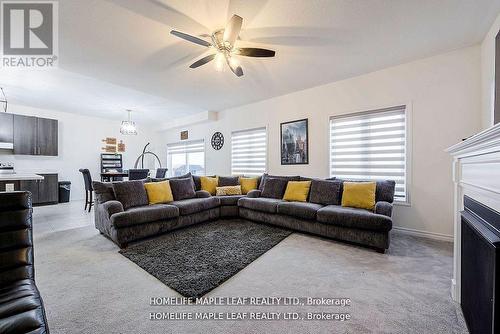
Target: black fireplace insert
[480, 275]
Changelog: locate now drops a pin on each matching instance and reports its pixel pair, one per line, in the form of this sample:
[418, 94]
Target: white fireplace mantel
[476, 173]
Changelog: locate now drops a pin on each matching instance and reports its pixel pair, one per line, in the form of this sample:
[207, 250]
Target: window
[249, 152]
[371, 145]
[186, 157]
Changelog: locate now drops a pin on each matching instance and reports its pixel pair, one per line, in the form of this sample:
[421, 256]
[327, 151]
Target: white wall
[79, 147]
[488, 75]
[445, 95]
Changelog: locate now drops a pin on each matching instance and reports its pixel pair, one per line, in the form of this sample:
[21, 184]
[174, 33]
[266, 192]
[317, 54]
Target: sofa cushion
[226, 181]
[265, 177]
[228, 190]
[130, 193]
[260, 204]
[197, 181]
[229, 200]
[248, 184]
[354, 218]
[194, 205]
[144, 214]
[359, 195]
[159, 192]
[303, 210]
[384, 191]
[209, 184]
[182, 188]
[185, 176]
[297, 191]
[274, 188]
[103, 191]
[326, 192]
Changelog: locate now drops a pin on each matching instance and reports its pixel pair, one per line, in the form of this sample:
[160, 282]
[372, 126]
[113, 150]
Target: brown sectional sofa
[321, 215]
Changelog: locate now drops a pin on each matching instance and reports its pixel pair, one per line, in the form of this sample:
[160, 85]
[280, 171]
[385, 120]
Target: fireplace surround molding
[476, 173]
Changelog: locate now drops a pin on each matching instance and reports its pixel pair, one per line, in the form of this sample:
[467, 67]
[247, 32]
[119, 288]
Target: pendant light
[3, 100]
[128, 127]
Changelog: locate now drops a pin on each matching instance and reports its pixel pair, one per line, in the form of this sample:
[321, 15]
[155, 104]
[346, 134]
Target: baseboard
[424, 234]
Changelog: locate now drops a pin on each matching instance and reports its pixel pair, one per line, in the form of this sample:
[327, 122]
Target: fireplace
[480, 267]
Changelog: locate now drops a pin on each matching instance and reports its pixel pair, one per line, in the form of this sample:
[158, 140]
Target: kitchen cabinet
[45, 191]
[6, 129]
[35, 136]
[47, 136]
[25, 135]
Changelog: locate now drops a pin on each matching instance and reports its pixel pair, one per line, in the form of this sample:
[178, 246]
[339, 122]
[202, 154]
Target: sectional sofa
[123, 214]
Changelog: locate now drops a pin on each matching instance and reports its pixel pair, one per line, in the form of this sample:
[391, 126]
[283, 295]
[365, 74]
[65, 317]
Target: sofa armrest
[253, 193]
[202, 194]
[383, 208]
[112, 207]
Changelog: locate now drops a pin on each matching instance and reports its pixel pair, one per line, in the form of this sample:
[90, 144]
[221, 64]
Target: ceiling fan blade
[232, 30]
[190, 38]
[202, 61]
[236, 70]
[255, 52]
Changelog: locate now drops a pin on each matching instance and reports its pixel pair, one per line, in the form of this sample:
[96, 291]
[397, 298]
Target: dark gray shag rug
[197, 259]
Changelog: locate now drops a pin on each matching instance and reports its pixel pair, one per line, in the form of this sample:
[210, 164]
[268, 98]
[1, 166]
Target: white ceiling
[118, 54]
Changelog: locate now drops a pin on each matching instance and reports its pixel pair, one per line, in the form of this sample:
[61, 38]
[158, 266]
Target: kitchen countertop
[20, 177]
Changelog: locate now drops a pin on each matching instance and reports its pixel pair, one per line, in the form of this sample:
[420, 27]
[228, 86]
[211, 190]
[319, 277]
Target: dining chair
[87, 179]
[160, 173]
[137, 174]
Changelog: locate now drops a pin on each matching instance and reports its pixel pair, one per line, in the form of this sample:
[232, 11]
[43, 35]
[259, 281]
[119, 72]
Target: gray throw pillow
[326, 192]
[182, 188]
[274, 188]
[227, 181]
[131, 193]
[265, 177]
[103, 191]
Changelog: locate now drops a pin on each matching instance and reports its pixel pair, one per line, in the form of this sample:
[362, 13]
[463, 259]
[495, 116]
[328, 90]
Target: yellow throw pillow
[209, 184]
[297, 191]
[228, 190]
[159, 192]
[359, 195]
[248, 183]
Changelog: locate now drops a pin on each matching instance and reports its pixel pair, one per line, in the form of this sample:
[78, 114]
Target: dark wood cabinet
[47, 136]
[48, 188]
[25, 128]
[45, 191]
[6, 128]
[35, 136]
[32, 187]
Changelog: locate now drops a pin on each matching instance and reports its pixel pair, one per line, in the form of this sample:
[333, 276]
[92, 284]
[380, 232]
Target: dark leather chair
[21, 306]
[87, 179]
[160, 173]
[137, 174]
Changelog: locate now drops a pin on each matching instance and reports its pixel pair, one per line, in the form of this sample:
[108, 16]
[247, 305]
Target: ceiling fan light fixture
[128, 127]
[219, 62]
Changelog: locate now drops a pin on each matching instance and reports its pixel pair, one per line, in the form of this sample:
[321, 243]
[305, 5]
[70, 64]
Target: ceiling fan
[223, 40]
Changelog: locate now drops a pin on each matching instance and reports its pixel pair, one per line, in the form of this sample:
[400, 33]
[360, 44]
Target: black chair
[137, 174]
[21, 306]
[87, 179]
[160, 173]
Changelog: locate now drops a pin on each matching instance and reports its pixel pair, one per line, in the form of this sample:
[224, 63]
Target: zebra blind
[186, 156]
[370, 146]
[249, 152]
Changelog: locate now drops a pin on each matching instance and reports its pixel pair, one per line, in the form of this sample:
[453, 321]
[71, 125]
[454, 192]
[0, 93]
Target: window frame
[187, 163]
[266, 131]
[409, 141]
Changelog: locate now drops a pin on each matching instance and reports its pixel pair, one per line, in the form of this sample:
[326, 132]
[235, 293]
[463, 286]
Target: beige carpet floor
[88, 287]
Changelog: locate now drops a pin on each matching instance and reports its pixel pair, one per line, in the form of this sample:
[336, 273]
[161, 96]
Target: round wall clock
[217, 141]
